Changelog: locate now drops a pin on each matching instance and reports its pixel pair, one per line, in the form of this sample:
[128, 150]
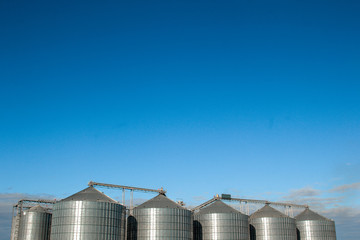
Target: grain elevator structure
[92, 215]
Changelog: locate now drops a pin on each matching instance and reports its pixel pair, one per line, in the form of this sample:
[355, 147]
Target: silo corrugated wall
[270, 224]
[160, 219]
[220, 221]
[88, 215]
[35, 224]
[312, 226]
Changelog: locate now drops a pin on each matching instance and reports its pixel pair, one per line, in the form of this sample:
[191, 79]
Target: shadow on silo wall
[298, 237]
[252, 232]
[132, 227]
[198, 235]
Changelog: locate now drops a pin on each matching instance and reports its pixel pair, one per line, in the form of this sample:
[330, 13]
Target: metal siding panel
[274, 228]
[316, 230]
[159, 224]
[85, 220]
[221, 226]
[35, 226]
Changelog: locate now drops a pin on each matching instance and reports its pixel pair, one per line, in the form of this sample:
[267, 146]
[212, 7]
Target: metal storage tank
[35, 224]
[312, 226]
[15, 227]
[160, 219]
[222, 222]
[270, 224]
[88, 215]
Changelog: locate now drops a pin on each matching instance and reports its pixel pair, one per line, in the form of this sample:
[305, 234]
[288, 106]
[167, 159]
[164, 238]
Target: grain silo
[312, 226]
[88, 215]
[35, 224]
[160, 219]
[15, 227]
[222, 222]
[270, 224]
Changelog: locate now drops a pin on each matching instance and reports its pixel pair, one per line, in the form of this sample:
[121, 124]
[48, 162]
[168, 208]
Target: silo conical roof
[160, 201]
[307, 214]
[90, 194]
[218, 207]
[268, 211]
[37, 208]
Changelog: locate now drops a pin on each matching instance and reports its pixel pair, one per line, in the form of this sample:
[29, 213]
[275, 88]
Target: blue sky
[253, 98]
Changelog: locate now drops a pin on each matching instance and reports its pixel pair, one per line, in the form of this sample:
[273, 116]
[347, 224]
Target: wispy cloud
[303, 192]
[347, 220]
[346, 187]
[199, 198]
[330, 203]
[334, 204]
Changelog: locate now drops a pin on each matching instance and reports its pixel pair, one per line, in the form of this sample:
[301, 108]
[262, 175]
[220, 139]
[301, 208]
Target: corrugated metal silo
[35, 224]
[222, 222]
[160, 219]
[88, 215]
[15, 227]
[312, 226]
[270, 224]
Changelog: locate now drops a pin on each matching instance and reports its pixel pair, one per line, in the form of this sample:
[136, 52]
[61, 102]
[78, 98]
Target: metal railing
[288, 206]
[131, 189]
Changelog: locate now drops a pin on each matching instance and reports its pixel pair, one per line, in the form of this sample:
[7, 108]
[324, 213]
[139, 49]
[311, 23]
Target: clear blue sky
[200, 97]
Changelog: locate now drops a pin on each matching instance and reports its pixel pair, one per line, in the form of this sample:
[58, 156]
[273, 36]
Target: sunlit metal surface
[316, 230]
[221, 226]
[15, 228]
[273, 229]
[270, 224]
[88, 215]
[160, 219]
[220, 222]
[83, 220]
[160, 223]
[312, 226]
[35, 224]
